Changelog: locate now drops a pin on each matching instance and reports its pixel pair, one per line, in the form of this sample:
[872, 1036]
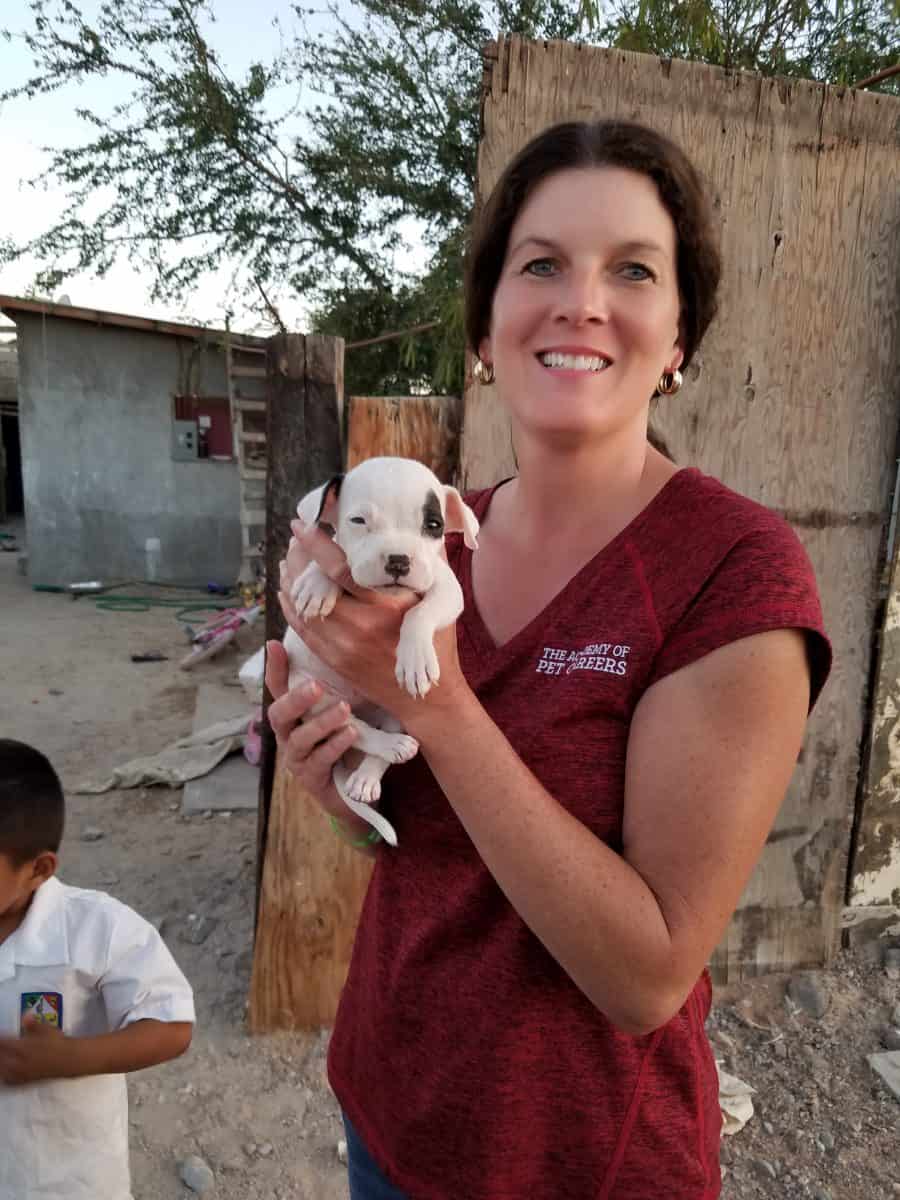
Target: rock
[827, 1140]
[91, 833]
[266, 1149]
[107, 879]
[890, 1037]
[807, 994]
[888, 1067]
[198, 929]
[342, 1151]
[197, 1175]
[822, 1194]
[895, 1015]
[892, 962]
[764, 1169]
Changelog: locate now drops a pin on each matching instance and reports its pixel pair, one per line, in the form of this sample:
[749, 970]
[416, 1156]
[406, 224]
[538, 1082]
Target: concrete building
[125, 434]
[11, 499]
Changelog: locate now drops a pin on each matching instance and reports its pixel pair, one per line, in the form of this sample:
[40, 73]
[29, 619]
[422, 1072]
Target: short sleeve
[764, 582]
[142, 980]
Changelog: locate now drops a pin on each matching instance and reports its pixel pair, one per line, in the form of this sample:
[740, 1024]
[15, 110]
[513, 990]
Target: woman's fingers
[313, 747]
[291, 706]
[276, 669]
[315, 766]
[327, 553]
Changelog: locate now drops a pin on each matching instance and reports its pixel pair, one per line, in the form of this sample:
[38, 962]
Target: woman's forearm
[591, 910]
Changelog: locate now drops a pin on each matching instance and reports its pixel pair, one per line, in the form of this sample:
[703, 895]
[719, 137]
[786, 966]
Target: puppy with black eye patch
[389, 516]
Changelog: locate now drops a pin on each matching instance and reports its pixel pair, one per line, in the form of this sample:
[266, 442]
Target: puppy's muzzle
[397, 565]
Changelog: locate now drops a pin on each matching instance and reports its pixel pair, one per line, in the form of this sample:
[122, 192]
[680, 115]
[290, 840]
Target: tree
[842, 42]
[200, 167]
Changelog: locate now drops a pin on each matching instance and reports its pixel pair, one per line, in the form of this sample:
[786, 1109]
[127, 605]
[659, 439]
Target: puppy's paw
[402, 748]
[364, 784]
[314, 594]
[417, 667]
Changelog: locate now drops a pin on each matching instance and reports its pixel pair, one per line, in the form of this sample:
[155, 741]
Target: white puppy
[389, 516]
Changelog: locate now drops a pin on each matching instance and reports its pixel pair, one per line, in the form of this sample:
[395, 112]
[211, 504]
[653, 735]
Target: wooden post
[312, 884]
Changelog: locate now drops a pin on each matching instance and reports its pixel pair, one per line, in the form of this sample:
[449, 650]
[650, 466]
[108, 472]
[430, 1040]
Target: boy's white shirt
[68, 1139]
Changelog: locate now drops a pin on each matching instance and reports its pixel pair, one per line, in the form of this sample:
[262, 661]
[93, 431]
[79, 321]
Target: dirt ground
[259, 1111]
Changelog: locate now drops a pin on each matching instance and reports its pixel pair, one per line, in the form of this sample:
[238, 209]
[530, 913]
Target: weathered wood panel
[793, 400]
[875, 877]
[313, 884]
[425, 428]
[304, 447]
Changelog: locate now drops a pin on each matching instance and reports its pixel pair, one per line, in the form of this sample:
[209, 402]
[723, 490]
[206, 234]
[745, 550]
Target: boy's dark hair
[585, 144]
[32, 807]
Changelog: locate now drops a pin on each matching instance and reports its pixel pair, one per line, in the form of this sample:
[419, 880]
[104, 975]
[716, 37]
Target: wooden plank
[238, 372]
[875, 878]
[302, 876]
[425, 428]
[251, 406]
[792, 400]
[256, 438]
[313, 885]
[313, 889]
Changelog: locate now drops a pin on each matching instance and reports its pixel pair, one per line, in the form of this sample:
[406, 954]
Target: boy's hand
[42, 1052]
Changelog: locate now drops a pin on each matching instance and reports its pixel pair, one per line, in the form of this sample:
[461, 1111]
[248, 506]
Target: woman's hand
[359, 637]
[310, 748]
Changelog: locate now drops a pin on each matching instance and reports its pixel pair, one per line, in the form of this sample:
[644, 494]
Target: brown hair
[583, 144]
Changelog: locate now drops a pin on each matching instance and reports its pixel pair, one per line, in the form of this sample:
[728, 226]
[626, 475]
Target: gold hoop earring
[483, 372]
[670, 382]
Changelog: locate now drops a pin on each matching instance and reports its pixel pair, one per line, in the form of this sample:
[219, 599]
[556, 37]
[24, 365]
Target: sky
[242, 34]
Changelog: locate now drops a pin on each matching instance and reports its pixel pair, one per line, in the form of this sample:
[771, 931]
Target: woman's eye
[637, 271]
[357, 520]
[542, 267]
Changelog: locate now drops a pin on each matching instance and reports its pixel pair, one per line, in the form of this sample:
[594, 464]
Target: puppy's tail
[367, 812]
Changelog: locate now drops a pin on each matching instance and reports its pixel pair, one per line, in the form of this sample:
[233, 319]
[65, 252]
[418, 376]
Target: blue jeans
[366, 1180]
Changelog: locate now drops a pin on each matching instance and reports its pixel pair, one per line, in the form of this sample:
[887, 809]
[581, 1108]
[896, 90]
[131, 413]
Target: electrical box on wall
[184, 440]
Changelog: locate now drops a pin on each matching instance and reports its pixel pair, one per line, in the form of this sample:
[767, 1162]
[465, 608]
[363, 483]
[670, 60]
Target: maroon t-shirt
[470, 1064]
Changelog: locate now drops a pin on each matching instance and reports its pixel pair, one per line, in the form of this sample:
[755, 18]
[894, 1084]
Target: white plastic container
[152, 556]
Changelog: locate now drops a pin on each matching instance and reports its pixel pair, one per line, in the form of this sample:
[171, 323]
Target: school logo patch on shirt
[47, 1007]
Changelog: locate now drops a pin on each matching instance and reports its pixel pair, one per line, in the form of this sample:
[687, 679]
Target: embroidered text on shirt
[609, 657]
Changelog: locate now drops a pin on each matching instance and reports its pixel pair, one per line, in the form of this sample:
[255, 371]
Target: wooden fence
[793, 400]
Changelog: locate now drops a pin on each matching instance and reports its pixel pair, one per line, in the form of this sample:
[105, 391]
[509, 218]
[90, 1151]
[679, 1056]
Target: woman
[620, 709]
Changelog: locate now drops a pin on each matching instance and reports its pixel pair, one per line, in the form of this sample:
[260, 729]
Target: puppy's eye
[357, 520]
[434, 525]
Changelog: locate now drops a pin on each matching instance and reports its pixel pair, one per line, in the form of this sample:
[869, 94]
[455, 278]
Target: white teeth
[574, 362]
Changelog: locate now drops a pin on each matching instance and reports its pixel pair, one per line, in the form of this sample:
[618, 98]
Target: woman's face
[585, 315]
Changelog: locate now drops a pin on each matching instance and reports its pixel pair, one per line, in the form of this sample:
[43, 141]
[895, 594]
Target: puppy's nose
[397, 565]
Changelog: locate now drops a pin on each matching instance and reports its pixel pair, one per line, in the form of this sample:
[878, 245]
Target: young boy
[88, 991]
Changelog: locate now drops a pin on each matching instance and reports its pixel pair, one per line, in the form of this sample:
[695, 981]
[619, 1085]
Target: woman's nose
[583, 299]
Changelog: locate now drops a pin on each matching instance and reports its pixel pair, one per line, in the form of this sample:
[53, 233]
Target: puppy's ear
[328, 504]
[460, 518]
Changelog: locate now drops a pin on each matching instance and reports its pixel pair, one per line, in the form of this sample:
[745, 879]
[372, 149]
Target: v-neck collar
[527, 636]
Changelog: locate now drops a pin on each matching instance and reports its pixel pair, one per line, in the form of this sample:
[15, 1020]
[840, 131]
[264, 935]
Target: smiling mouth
[594, 363]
